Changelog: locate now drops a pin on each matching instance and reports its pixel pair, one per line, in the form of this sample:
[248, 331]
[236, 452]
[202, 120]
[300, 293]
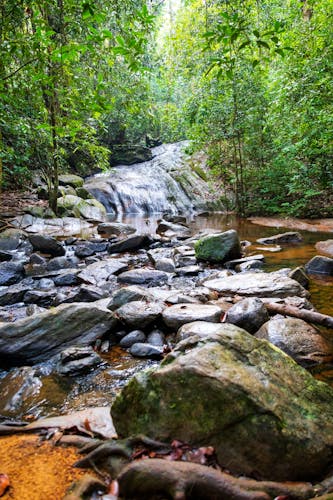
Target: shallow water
[59, 395]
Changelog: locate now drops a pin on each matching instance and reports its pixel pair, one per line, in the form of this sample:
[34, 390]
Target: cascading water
[163, 184]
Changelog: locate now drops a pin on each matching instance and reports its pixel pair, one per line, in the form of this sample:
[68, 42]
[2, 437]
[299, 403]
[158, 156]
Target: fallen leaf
[4, 483]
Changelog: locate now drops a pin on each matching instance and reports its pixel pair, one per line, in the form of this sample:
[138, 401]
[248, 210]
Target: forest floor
[14, 203]
[37, 470]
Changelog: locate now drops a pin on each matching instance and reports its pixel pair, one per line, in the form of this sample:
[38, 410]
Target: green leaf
[261, 43]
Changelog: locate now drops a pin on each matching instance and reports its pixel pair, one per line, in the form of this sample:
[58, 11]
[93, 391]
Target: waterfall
[164, 184]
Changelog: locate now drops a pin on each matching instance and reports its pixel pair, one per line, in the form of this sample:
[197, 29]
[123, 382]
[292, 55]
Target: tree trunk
[305, 314]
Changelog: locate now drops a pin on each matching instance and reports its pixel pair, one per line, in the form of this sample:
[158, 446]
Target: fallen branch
[184, 480]
[305, 314]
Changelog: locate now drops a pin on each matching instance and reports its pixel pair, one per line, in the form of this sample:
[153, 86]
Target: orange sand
[36, 471]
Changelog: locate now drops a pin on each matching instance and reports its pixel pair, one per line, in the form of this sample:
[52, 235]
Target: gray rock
[132, 338]
[5, 256]
[143, 276]
[257, 285]
[249, 266]
[301, 341]
[188, 270]
[106, 229]
[320, 265]
[179, 314]
[42, 298]
[182, 260]
[139, 314]
[218, 247]
[231, 264]
[201, 329]
[78, 360]
[172, 230]
[249, 314]
[87, 293]
[165, 264]
[35, 258]
[47, 244]
[242, 396]
[9, 243]
[84, 250]
[11, 273]
[60, 263]
[101, 271]
[68, 278]
[130, 243]
[156, 337]
[146, 351]
[40, 337]
[128, 294]
[13, 294]
[289, 237]
[156, 254]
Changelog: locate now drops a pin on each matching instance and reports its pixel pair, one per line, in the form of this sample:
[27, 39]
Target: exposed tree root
[156, 478]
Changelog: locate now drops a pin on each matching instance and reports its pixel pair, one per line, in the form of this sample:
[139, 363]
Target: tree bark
[305, 314]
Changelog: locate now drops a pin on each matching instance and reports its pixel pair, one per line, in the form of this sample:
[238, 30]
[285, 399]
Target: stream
[164, 185]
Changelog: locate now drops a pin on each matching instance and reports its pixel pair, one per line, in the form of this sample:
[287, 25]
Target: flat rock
[39, 337]
[257, 285]
[139, 314]
[143, 276]
[288, 237]
[130, 243]
[100, 271]
[241, 395]
[106, 229]
[77, 360]
[128, 294]
[47, 244]
[179, 314]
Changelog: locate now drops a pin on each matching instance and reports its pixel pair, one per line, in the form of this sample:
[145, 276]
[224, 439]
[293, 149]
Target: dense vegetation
[249, 81]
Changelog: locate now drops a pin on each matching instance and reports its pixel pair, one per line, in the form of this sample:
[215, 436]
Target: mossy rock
[71, 180]
[263, 413]
[76, 206]
[218, 247]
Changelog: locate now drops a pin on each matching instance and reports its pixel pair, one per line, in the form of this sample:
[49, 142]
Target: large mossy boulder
[263, 413]
[72, 180]
[218, 247]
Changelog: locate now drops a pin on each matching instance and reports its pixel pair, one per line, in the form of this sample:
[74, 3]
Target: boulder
[156, 337]
[70, 180]
[299, 274]
[14, 293]
[128, 154]
[257, 285]
[263, 413]
[47, 244]
[132, 338]
[128, 294]
[40, 337]
[165, 264]
[11, 273]
[201, 329]
[141, 350]
[76, 206]
[218, 247]
[143, 276]
[249, 314]
[298, 339]
[320, 265]
[139, 314]
[77, 360]
[130, 243]
[289, 237]
[170, 230]
[179, 314]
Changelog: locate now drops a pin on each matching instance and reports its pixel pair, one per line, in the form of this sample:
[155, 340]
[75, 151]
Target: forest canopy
[248, 82]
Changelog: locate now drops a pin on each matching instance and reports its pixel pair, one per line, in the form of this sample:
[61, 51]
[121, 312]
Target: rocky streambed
[80, 317]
